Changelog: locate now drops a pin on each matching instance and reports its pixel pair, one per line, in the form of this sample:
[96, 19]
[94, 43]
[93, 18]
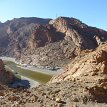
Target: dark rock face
[41, 36]
[35, 40]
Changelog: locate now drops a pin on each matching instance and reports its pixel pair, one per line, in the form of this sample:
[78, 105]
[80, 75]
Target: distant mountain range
[47, 42]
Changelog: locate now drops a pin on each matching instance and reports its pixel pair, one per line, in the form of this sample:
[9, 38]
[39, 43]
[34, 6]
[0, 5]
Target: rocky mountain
[46, 42]
[17, 30]
[55, 43]
[60, 41]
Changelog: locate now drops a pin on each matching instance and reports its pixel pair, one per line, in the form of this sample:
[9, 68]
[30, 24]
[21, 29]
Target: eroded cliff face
[17, 30]
[6, 77]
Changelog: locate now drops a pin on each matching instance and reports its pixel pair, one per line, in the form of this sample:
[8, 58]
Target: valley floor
[36, 69]
[26, 80]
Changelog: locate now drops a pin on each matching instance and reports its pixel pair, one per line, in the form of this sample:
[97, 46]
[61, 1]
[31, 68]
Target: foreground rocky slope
[46, 42]
[89, 62]
[83, 84]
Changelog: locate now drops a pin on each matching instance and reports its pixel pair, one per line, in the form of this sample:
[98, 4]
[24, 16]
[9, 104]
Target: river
[33, 74]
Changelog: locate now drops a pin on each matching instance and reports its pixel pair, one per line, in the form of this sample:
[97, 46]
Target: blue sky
[91, 12]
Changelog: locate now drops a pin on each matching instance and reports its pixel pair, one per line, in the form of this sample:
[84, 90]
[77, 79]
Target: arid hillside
[83, 84]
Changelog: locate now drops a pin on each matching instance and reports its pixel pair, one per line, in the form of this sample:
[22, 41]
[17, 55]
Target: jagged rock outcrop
[81, 34]
[6, 77]
[94, 62]
[65, 25]
[89, 72]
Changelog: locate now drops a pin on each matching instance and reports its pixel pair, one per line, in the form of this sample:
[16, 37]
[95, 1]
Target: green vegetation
[40, 77]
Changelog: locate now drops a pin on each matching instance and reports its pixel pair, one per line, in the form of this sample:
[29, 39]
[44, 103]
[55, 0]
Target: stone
[13, 98]
[58, 100]
[59, 105]
[33, 98]
[1, 94]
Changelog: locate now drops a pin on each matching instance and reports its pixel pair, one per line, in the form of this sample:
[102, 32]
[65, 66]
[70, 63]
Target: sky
[91, 12]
